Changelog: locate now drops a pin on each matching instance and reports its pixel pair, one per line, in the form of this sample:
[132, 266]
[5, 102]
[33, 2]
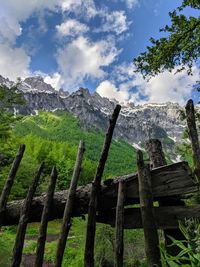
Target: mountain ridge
[136, 123]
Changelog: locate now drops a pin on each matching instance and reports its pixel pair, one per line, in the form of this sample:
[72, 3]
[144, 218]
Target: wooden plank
[170, 180]
[44, 220]
[66, 224]
[9, 182]
[165, 217]
[193, 136]
[119, 225]
[96, 185]
[21, 229]
[147, 213]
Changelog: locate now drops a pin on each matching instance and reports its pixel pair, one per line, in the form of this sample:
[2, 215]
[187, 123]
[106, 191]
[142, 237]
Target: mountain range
[136, 123]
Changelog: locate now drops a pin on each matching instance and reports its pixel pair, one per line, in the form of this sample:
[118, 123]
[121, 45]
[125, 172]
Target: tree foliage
[180, 48]
[8, 99]
[54, 138]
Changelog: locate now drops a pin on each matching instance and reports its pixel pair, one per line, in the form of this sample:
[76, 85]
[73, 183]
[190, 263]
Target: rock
[136, 123]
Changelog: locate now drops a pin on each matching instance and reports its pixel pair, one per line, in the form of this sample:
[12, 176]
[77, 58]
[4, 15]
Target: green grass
[74, 252]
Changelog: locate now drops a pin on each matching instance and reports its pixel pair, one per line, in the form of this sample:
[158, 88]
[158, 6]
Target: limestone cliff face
[136, 124]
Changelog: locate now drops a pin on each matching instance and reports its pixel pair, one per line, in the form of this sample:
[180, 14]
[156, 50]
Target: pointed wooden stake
[9, 182]
[119, 224]
[44, 220]
[69, 206]
[21, 229]
[193, 135]
[91, 225]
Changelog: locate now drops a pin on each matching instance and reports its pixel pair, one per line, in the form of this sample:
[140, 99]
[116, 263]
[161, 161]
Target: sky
[90, 44]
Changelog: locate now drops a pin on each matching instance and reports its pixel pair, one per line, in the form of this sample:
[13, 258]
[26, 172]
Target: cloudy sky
[89, 43]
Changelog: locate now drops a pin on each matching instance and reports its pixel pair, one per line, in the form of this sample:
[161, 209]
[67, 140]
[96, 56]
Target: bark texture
[193, 135]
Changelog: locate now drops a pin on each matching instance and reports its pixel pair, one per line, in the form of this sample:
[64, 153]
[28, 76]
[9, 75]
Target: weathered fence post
[23, 221]
[119, 225]
[44, 220]
[69, 206]
[9, 182]
[96, 185]
[193, 136]
[157, 159]
[147, 213]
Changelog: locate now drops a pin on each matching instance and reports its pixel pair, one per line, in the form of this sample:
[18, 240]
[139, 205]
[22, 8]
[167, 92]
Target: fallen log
[170, 180]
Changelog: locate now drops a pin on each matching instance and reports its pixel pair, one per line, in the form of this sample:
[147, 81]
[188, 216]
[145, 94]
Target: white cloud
[14, 12]
[170, 86]
[163, 88]
[9, 30]
[114, 22]
[14, 62]
[82, 58]
[84, 8]
[71, 27]
[55, 80]
[109, 90]
[131, 3]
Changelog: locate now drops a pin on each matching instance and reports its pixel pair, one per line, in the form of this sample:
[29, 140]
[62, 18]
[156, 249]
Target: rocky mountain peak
[136, 123]
[83, 92]
[6, 82]
[37, 83]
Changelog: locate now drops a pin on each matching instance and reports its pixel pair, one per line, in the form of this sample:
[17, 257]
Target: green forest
[54, 138]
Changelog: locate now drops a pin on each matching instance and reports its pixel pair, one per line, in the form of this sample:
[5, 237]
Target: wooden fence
[106, 202]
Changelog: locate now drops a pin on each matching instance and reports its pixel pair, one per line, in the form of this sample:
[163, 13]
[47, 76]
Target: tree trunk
[193, 135]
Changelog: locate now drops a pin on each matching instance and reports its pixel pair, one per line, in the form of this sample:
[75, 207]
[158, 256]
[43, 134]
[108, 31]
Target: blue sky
[89, 43]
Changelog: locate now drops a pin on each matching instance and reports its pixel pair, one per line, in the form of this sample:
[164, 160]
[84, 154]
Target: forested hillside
[54, 138]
